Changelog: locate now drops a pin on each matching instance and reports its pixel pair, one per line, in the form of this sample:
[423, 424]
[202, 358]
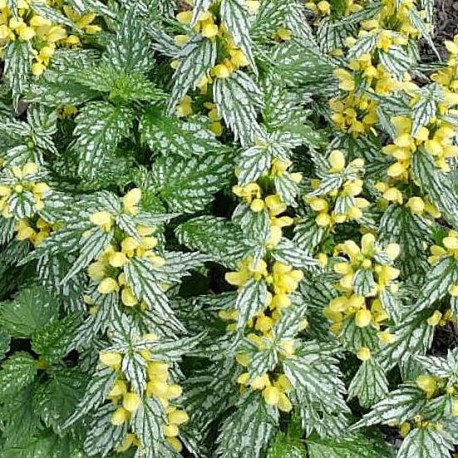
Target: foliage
[228, 228]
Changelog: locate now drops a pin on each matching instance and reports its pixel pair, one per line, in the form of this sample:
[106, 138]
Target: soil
[446, 27]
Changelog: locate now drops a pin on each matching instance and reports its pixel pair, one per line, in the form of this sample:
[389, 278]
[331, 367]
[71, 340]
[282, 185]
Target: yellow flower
[427, 383]
[170, 430]
[128, 298]
[221, 71]
[118, 259]
[363, 318]
[131, 200]
[131, 402]
[102, 219]
[175, 444]
[184, 17]
[364, 354]
[435, 318]
[271, 395]
[120, 416]
[337, 161]
[253, 5]
[284, 404]
[209, 29]
[238, 58]
[111, 359]
[416, 205]
[119, 389]
[346, 80]
[107, 286]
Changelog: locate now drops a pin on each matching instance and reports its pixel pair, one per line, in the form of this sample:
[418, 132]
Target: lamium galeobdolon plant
[229, 228]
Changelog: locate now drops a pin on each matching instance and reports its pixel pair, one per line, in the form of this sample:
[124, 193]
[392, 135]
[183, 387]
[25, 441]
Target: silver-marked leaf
[253, 162]
[196, 58]
[425, 443]
[97, 391]
[238, 97]
[398, 406]
[148, 422]
[100, 126]
[369, 384]
[91, 247]
[141, 277]
[251, 298]
[234, 15]
[247, 432]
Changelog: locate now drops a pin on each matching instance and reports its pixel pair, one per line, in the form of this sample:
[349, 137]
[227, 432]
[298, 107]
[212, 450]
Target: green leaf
[16, 372]
[32, 309]
[251, 298]
[318, 389]
[237, 98]
[369, 384]
[247, 432]
[188, 185]
[215, 236]
[4, 343]
[121, 86]
[40, 446]
[52, 342]
[363, 45]
[361, 446]
[51, 14]
[56, 399]
[288, 252]
[400, 226]
[286, 447]
[413, 336]
[54, 89]
[425, 443]
[196, 58]
[253, 162]
[100, 126]
[20, 420]
[363, 282]
[299, 66]
[200, 6]
[92, 244]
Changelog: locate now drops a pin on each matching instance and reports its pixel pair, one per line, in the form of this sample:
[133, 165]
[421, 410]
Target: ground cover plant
[229, 228]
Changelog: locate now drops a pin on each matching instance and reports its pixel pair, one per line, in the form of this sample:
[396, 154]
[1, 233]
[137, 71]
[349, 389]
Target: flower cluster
[35, 230]
[230, 58]
[26, 25]
[355, 110]
[22, 184]
[325, 8]
[123, 395]
[449, 247]
[280, 278]
[342, 204]
[437, 141]
[106, 271]
[364, 275]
